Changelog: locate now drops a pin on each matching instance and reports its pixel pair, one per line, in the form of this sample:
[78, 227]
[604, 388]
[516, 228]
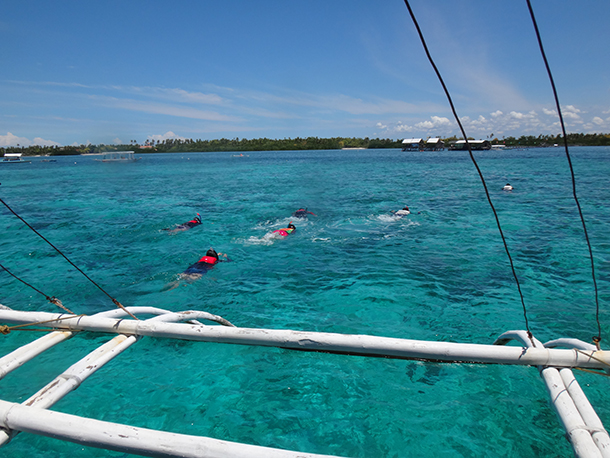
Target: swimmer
[196, 271]
[196, 221]
[286, 231]
[302, 213]
[508, 187]
[403, 211]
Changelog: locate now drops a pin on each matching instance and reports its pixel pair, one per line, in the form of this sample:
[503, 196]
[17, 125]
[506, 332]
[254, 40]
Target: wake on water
[267, 239]
[271, 237]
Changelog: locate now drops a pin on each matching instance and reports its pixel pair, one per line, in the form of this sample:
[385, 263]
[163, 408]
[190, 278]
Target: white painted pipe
[118, 313]
[159, 313]
[21, 355]
[326, 342]
[190, 316]
[165, 315]
[570, 343]
[577, 432]
[130, 439]
[587, 412]
[72, 377]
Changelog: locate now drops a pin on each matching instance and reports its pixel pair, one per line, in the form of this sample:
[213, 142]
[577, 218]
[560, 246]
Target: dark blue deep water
[440, 273]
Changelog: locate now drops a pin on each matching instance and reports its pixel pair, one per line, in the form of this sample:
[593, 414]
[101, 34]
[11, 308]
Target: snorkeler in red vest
[196, 221]
[286, 231]
[200, 268]
[208, 261]
[302, 213]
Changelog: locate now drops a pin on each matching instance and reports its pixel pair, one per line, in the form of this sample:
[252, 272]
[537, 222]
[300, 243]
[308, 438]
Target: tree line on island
[289, 144]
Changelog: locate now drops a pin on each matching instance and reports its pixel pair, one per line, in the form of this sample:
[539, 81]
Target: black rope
[421, 37]
[52, 300]
[597, 339]
[117, 303]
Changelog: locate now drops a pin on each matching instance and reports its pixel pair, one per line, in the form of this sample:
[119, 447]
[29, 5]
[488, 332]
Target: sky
[111, 72]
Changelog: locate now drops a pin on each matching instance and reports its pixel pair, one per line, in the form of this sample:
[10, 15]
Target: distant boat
[119, 156]
[13, 158]
[474, 145]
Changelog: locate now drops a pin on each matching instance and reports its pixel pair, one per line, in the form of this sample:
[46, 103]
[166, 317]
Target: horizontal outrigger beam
[360, 345]
[583, 427]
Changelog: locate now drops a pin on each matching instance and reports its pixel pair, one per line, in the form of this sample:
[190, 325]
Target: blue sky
[79, 72]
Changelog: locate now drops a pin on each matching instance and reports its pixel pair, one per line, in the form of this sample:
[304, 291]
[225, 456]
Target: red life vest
[285, 231]
[209, 260]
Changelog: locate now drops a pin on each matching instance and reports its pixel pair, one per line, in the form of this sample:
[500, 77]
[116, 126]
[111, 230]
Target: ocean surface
[439, 274]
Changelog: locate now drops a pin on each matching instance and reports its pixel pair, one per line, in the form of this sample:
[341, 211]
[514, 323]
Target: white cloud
[402, 128]
[516, 115]
[12, 140]
[335, 102]
[572, 109]
[497, 113]
[546, 111]
[570, 115]
[425, 125]
[432, 126]
[571, 112]
[522, 116]
[163, 109]
[597, 120]
[42, 142]
[176, 94]
[436, 121]
[165, 136]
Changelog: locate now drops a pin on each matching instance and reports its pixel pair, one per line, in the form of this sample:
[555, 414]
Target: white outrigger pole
[584, 429]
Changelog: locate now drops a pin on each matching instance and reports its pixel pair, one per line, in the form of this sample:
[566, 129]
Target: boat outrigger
[584, 428]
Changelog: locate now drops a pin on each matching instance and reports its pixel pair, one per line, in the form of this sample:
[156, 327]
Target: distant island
[290, 144]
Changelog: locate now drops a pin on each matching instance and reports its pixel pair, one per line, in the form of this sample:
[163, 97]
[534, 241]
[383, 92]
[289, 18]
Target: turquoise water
[440, 273]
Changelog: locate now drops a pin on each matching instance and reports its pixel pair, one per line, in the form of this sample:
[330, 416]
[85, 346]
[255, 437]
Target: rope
[117, 303]
[421, 37]
[592, 357]
[7, 329]
[52, 300]
[590, 371]
[596, 339]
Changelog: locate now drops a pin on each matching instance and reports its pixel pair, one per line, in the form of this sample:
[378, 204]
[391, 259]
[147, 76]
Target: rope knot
[4, 329]
[57, 302]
